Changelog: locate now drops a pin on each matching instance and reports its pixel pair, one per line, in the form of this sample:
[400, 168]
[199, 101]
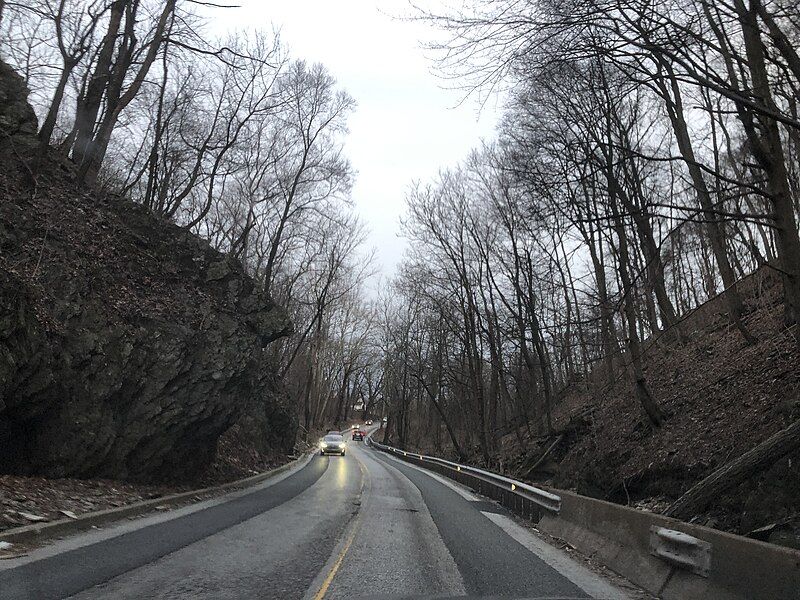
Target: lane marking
[351, 536]
[326, 584]
[461, 491]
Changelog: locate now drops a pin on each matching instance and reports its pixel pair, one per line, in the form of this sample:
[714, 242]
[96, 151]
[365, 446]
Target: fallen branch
[544, 456]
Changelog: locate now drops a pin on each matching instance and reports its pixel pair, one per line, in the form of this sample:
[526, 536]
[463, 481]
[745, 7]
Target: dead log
[526, 471]
[764, 455]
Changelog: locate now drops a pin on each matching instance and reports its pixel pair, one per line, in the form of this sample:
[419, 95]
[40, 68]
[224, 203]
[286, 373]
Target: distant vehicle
[356, 427]
[333, 432]
[369, 422]
[358, 434]
[333, 443]
[385, 419]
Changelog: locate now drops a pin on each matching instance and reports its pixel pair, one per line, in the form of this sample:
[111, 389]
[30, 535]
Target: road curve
[361, 526]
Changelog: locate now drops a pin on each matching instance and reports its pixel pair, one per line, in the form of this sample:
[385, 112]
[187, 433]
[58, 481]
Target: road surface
[361, 526]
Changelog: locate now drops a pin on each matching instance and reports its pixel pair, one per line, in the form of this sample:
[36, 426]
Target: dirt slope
[721, 398]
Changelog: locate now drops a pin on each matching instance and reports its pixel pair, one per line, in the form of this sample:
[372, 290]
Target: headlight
[323, 445]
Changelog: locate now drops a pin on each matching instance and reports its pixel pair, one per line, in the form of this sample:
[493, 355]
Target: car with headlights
[369, 422]
[358, 435]
[332, 444]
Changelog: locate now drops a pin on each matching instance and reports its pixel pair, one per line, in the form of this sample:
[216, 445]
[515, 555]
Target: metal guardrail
[542, 499]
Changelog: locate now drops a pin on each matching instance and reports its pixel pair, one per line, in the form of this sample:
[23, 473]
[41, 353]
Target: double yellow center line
[353, 530]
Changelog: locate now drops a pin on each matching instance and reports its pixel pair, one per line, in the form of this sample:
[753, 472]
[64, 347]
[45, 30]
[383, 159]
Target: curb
[46, 531]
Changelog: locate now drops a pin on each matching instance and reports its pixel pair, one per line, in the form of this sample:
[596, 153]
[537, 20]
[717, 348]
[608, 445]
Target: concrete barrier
[620, 538]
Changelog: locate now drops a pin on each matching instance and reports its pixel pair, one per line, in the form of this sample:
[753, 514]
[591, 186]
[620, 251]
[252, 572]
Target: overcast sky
[407, 124]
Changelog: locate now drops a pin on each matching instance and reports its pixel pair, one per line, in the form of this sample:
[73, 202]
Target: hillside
[721, 397]
[128, 345]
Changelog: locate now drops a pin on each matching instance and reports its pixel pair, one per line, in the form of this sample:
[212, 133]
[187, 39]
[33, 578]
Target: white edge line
[591, 583]
[460, 490]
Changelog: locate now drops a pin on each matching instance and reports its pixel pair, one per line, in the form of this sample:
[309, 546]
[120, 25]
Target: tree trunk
[116, 100]
[341, 405]
[49, 124]
[88, 104]
[640, 389]
[712, 228]
[450, 431]
[606, 315]
[544, 365]
[767, 146]
[389, 421]
[654, 265]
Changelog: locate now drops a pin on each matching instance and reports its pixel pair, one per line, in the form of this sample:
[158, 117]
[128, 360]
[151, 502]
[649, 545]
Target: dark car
[332, 444]
[358, 434]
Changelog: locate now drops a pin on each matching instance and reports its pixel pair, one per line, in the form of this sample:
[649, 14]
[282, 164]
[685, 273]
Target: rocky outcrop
[18, 122]
[127, 345]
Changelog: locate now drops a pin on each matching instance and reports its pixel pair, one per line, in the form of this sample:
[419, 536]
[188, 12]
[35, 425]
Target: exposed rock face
[17, 119]
[127, 346]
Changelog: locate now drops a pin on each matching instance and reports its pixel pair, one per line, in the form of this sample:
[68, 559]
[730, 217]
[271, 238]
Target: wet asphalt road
[361, 526]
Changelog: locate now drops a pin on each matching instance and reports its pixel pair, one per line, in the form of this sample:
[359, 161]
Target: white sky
[406, 126]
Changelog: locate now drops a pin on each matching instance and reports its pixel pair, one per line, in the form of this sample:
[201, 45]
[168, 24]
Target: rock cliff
[17, 118]
[127, 345]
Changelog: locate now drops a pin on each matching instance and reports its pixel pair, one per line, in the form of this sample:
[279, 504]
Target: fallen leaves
[28, 500]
